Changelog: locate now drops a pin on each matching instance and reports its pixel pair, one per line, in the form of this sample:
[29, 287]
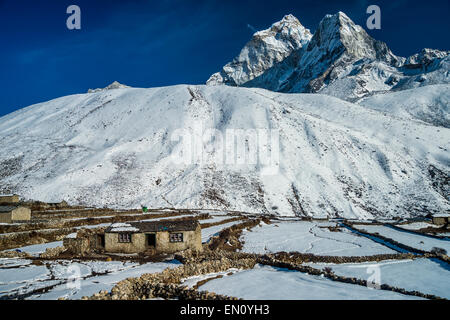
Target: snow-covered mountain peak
[265, 49]
[341, 59]
[288, 26]
[112, 86]
[426, 56]
[338, 34]
[339, 19]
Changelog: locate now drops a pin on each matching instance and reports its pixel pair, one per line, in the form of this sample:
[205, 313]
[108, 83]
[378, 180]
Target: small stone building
[441, 219]
[10, 214]
[158, 236]
[85, 241]
[9, 198]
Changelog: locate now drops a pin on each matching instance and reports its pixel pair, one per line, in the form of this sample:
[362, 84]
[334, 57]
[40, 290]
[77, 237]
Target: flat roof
[154, 226]
[8, 208]
[441, 215]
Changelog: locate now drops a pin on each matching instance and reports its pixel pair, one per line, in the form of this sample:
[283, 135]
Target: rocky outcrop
[14, 254]
[340, 59]
[51, 253]
[266, 49]
[112, 86]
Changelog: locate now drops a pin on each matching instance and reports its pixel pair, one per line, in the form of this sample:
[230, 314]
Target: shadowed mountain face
[340, 59]
[265, 50]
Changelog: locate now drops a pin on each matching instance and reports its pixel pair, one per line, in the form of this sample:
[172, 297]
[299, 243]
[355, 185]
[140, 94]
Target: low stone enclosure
[441, 219]
[9, 198]
[23, 234]
[168, 284]
[218, 257]
[14, 213]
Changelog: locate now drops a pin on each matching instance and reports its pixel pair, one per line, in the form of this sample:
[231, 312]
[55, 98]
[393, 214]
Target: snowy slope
[429, 104]
[116, 147]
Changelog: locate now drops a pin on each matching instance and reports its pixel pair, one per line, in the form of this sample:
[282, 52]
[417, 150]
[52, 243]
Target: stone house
[157, 236]
[10, 214]
[9, 198]
[441, 219]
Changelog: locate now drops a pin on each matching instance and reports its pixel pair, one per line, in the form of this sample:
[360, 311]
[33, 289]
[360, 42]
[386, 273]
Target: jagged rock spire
[265, 49]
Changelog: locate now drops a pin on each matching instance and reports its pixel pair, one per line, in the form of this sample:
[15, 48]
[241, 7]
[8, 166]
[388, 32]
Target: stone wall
[17, 214]
[76, 245]
[440, 220]
[167, 283]
[5, 217]
[138, 244]
[21, 239]
[21, 214]
[86, 241]
[9, 199]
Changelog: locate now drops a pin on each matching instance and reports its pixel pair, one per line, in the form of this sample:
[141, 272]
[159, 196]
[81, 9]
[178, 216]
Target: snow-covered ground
[215, 219]
[24, 278]
[210, 232]
[429, 276]
[37, 249]
[88, 287]
[429, 104]
[417, 225]
[407, 238]
[308, 237]
[269, 283]
[71, 280]
[192, 281]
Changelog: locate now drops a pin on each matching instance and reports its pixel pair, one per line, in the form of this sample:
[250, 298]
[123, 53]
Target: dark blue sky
[157, 43]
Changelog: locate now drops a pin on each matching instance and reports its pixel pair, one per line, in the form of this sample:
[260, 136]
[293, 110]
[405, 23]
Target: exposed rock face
[425, 57]
[337, 44]
[341, 60]
[263, 51]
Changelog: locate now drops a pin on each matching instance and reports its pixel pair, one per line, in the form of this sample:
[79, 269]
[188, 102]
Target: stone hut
[158, 236]
[85, 241]
[10, 214]
[9, 198]
[441, 219]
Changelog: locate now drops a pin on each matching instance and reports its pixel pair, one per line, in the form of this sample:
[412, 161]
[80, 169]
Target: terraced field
[292, 258]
